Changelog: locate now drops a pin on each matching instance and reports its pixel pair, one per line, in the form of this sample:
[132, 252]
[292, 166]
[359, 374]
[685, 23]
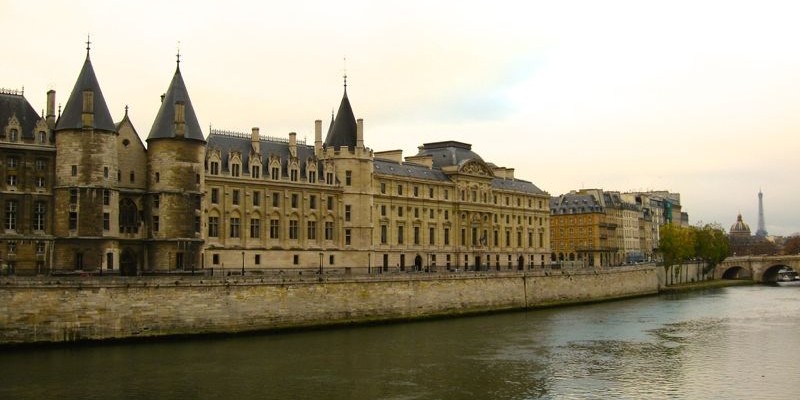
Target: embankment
[79, 309]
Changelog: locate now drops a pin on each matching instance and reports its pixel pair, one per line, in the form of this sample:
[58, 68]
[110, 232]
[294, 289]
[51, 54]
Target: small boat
[788, 277]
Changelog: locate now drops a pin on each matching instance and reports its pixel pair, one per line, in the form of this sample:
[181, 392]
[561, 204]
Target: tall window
[295, 200]
[347, 235]
[213, 226]
[11, 179]
[431, 235]
[255, 228]
[328, 230]
[214, 195]
[106, 221]
[156, 200]
[73, 196]
[156, 224]
[256, 198]
[128, 216]
[347, 209]
[276, 199]
[384, 234]
[330, 203]
[446, 236]
[348, 178]
[400, 234]
[106, 197]
[234, 228]
[312, 202]
[293, 229]
[274, 228]
[416, 235]
[73, 220]
[235, 197]
[11, 215]
[39, 211]
[312, 230]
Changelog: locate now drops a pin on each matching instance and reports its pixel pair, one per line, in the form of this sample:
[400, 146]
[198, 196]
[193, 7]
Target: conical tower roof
[164, 124]
[71, 118]
[343, 132]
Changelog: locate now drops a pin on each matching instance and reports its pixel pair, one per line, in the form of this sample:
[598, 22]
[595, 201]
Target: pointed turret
[86, 106]
[176, 117]
[343, 130]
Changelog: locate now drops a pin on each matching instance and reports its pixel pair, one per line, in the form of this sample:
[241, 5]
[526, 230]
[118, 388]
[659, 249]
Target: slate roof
[16, 104]
[164, 124]
[573, 203]
[71, 117]
[343, 130]
[517, 185]
[448, 153]
[227, 143]
[386, 167]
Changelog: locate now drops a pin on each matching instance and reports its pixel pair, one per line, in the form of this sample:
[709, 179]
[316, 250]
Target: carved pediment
[475, 167]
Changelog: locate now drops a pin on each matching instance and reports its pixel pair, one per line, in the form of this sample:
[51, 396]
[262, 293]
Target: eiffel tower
[762, 231]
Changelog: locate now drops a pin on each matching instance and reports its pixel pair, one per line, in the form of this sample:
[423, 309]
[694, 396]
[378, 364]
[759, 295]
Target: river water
[730, 343]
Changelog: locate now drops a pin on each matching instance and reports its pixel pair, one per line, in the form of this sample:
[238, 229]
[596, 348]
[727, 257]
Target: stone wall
[78, 309]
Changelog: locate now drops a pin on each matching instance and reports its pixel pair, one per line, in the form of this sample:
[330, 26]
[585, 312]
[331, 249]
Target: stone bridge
[757, 268]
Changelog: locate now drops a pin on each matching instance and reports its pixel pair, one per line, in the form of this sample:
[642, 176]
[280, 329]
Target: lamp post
[242, 263]
[320, 263]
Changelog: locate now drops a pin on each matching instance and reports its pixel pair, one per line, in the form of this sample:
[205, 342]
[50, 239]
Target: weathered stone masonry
[39, 311]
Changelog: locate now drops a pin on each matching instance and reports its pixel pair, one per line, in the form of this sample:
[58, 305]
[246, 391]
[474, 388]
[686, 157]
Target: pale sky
[696, 97]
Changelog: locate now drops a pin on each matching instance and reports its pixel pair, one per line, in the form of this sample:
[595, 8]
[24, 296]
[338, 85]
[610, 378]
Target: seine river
[731, 343]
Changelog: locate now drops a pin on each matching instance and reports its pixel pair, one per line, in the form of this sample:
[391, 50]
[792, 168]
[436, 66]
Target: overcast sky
[696, 97]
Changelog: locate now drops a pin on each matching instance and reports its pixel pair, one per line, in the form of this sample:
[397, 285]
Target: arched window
[128, 216]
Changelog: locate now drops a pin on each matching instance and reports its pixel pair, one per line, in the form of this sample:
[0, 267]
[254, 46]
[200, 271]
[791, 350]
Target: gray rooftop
[71, 118]
[164, 124]
[12, 103]
[343, 130]
[226, 143]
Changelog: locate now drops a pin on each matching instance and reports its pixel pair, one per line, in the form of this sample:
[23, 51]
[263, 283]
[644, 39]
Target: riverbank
[76, 310]
[716, 283]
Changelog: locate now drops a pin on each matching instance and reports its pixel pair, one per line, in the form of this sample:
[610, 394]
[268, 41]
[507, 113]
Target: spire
[72, 116]
[343, 128]
[165, 125]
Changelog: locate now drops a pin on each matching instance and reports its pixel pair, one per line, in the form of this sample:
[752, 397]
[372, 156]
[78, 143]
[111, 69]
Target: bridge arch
[736, 272]
[770, 273]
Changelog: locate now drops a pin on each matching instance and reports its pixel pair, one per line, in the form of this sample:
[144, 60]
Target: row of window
[431, 215]
[415, 191]
[476, 240]
[12, 215]
[13, 136]
[275, 199]
[12, 247]
[234, 228]
[274, 173]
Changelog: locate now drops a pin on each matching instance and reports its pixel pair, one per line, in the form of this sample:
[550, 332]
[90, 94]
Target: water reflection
[728, 343]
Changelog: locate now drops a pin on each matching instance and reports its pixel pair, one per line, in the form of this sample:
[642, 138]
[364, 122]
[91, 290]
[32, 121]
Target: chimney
[162, 96]
[318, 138]
[255, 140]
[360, 133]
[51, 109]
[87, 117]
[180, 119]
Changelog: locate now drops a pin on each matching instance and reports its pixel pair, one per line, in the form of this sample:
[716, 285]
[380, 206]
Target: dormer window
[255, 171]
[12, 135]
[294, 173]
[312, 176]
[329, 178]
[214, 168]
[235, 168]
[42, 137]
[275, 173]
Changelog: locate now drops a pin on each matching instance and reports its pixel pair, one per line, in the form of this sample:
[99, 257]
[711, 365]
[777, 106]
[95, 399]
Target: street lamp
[242, 263]
[320, 263]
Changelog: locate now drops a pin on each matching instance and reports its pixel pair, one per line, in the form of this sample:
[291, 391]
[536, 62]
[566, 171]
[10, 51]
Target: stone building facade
[84, 194]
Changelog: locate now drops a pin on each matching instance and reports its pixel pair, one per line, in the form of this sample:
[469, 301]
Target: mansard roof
[343, 131]
[13, 103]
[71, 117]
[448, 153]
[386, 167]
[164, 124]
[228, 142]
[517, 185]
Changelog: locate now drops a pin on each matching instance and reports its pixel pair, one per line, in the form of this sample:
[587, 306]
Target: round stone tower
[175, 156]
[85, 191]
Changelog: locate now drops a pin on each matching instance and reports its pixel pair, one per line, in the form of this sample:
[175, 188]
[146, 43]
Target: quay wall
[39, 310]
